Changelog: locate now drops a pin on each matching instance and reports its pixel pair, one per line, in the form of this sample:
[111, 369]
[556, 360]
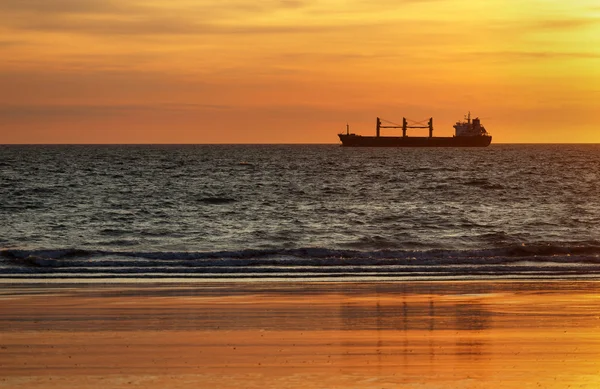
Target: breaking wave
[580, 259]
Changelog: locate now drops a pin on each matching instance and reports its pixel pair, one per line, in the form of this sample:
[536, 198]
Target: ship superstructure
[470, 127]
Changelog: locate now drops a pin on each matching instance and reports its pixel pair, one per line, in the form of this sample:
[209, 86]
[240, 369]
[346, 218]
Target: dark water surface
[310, 211]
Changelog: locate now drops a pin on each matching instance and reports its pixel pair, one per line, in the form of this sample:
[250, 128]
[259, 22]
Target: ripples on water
[298, 209]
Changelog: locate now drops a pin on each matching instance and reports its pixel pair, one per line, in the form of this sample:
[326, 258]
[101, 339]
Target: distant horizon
[270, 144]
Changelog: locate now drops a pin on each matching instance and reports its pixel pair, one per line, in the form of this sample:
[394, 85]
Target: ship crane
[405, 126]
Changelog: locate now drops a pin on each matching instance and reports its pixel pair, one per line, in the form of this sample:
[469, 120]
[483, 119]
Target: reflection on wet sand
[427, 335]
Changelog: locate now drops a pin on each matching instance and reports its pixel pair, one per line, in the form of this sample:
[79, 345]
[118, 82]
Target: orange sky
[295, 71]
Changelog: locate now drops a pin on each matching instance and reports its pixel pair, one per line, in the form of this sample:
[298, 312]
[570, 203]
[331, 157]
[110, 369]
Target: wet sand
[301, 335]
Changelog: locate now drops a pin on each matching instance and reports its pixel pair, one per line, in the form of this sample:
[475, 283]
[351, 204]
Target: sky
[295, 71]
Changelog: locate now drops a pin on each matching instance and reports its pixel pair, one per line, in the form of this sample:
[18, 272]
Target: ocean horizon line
[273, 144]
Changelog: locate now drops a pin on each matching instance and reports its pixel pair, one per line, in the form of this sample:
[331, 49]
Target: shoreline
[461, 334]
[252, 279]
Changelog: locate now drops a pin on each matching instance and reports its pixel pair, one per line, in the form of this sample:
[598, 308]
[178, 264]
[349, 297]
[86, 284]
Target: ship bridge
[469, 127]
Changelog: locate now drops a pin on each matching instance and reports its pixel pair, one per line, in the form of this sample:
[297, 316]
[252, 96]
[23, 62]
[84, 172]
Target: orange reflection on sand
[426, 335]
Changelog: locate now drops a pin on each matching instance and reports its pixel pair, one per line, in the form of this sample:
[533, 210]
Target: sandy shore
[301, 335]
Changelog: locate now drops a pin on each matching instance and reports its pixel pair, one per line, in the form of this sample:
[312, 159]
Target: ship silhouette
[468, 133]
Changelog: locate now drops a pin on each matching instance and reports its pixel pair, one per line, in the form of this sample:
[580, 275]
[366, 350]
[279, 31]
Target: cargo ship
[468, 133]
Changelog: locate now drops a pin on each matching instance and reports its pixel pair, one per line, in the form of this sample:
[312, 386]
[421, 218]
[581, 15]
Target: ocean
[306, 212]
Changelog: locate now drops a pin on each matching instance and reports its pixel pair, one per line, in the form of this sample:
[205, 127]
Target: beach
[483, 334]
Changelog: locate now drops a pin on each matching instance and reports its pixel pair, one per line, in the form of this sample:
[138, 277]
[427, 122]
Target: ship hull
[414, 141]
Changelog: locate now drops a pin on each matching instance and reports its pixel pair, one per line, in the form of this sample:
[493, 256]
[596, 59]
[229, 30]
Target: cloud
[111, 18]
[330, 57]
[162, 26]
[225, 17]
[567, 24]
[48, 111]
[52, 8]
[535, 55]
[7, 43]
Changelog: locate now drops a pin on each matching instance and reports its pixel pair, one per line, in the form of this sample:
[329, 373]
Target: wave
[591, 248]
[543, 260]
[483, 183]
[216, 200]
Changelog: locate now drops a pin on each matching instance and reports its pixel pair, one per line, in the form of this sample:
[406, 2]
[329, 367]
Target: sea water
[320, 212]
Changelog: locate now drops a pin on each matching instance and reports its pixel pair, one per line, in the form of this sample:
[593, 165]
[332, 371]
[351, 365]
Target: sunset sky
[295, 71]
